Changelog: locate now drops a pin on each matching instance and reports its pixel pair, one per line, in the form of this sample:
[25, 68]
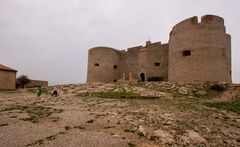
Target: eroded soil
[106, 115]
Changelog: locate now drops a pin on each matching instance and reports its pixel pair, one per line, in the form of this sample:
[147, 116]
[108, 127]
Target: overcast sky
[49, 39]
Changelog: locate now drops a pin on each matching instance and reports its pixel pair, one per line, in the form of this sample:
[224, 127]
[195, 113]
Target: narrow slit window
[186, 53]
[157, 64]
[115, 67]
[96, 64]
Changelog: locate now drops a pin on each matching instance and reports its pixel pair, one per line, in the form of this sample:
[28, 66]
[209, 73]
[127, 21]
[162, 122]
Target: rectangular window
[186, 53]
[96, 64]
[115, 67]
[157, 64]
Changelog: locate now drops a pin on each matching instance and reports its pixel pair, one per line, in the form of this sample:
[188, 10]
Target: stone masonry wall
[151, 60]
[110, 65]
[157, 60]
[7, 80]
[199, 51]
[36, 83]
[103, 65]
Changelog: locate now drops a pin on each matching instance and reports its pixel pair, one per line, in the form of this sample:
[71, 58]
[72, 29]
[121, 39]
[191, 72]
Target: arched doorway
[142, 76]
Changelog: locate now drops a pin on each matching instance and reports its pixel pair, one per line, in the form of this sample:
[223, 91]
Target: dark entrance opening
[142, 76]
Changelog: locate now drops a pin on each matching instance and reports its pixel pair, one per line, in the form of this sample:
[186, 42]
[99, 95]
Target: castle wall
[124, 66]
[208, 46]
[103, 65]
[157, 60]
[36, 83]
[7, 80]
[129, 64]
[228, 39]
[136, 59]
[197, 51]
[144, 59]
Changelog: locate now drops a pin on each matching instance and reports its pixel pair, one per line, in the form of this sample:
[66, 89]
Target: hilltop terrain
[138, 114]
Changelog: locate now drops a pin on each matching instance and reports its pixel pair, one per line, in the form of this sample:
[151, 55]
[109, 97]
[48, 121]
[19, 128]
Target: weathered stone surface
[7, 78]
[142, 130]
[196, 55]
[193, 135]
[164, 136]
[197, 51]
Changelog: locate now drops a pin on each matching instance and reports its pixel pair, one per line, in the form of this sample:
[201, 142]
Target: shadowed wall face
[7, 80]
[199, 51]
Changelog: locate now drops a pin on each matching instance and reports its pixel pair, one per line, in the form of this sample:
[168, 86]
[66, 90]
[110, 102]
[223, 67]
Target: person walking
[39, 91]
[55, 92]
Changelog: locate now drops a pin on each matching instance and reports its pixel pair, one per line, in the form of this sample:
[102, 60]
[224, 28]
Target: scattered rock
[148, 145]
[142, 129]
[164, 136]
[153, 138]
[183, 90]
[167, 116]
[116, 136]
[167, 123]
[90, 121]
[195, 136]
[202, 92]
[184, 139]
[206, 128]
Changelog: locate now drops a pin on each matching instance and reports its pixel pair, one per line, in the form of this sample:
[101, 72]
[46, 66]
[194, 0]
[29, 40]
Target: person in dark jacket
[55, 92]
[39, 91]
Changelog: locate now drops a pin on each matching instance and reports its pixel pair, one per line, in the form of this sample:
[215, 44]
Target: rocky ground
[106, 115]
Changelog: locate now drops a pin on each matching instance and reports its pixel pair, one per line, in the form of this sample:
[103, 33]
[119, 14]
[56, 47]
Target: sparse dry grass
[114, 111]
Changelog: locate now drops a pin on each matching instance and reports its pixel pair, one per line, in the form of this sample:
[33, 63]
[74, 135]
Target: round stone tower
[103, 65]
[200, 51]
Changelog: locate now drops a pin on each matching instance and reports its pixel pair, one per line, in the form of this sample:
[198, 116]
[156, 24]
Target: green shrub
[23, 80]
[217, 87]
[155, 78]
[233, 106]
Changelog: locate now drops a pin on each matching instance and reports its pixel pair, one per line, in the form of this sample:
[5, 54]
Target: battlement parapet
[135, 48]
[207, 21]
[212, 19]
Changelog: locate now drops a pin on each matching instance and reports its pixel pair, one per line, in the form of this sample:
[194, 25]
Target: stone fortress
[196, 52]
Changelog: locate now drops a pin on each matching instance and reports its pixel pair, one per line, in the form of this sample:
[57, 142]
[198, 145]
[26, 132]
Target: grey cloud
[49, 39]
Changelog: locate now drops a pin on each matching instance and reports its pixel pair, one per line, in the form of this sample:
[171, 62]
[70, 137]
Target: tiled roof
[2, 67]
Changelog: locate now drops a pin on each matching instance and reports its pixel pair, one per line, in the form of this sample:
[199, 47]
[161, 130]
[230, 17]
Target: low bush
[217, 87]
[155, 78]
[233, 106]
